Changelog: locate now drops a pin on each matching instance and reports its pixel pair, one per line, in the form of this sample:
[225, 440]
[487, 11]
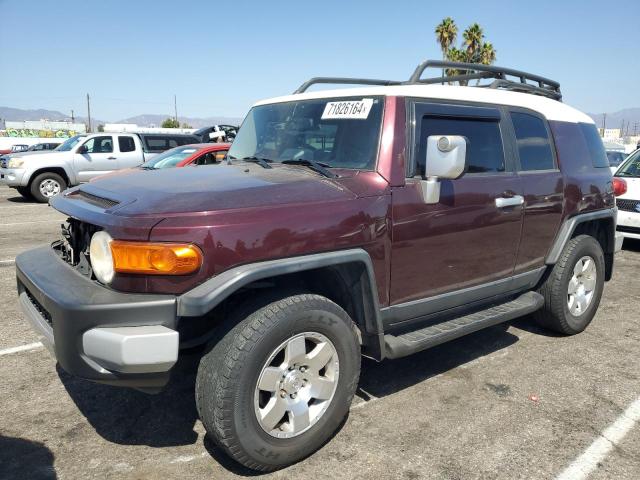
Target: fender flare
[568, 227]
[206, 296]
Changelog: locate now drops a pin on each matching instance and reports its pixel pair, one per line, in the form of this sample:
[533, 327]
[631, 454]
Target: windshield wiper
[319, 167]
[263, 162]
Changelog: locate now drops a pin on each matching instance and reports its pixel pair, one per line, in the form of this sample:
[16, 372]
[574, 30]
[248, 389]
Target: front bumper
[96, 333]
[628, 224]
[13, 177]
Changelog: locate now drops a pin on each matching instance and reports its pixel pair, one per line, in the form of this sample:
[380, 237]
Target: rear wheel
[47, 185]
[279, 383]
[573, 290]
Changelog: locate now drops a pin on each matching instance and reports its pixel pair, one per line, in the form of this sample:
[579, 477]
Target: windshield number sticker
[355, 109]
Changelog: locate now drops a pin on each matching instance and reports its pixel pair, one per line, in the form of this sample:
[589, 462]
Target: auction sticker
[350, 109]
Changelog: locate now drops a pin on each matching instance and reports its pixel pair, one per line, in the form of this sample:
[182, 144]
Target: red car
[194, 154]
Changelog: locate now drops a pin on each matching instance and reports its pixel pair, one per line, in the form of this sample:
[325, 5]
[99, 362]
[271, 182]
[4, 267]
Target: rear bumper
[96, 333]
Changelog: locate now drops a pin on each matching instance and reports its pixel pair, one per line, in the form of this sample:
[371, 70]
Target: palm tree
[473, 37]
[455, 55]
[446, 34]
[487, 55]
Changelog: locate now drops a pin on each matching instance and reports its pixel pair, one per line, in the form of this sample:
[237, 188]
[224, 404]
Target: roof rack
[464, 73]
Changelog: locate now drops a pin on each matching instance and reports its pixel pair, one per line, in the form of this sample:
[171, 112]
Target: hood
[41, 156]
[215, 187]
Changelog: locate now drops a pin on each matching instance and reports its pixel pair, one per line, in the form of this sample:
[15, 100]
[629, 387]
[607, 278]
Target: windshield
[631, 167]
[170, 158]
[341, 133]
[69, 143]
[615, 158]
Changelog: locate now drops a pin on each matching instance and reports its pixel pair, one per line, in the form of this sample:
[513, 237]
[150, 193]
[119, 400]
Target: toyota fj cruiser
[379, 221]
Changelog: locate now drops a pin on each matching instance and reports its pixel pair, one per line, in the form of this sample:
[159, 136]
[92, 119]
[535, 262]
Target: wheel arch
[57, 170]
[345, 277]
[600, 224]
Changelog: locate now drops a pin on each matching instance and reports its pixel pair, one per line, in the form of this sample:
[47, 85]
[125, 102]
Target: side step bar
[417, 340]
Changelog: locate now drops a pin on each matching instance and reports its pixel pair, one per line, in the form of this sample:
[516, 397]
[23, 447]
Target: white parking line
[7, 263]
[600, 448]
[21, 348]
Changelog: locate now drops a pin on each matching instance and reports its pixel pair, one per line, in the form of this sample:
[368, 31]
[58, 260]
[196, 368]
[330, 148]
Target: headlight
[15, 162]
[101, 257]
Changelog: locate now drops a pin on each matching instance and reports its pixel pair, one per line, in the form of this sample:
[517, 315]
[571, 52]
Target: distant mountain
[156, 120]
[146, 120]
[631, 116]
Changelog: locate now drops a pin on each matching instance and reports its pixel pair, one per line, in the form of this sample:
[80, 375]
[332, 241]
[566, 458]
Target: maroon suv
[377, 221]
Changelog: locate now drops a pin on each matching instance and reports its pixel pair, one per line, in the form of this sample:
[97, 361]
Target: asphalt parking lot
[502, 403]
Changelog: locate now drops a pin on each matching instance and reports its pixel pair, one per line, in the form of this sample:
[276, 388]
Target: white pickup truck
[82, 158]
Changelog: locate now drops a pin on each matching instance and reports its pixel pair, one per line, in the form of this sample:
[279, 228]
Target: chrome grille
[628, 205]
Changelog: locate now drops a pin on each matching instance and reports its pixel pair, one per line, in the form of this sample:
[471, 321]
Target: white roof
[551, 109]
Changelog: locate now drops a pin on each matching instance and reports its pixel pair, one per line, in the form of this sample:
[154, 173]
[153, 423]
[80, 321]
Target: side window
[126, 144]
[485, 153]
[594, 145]
[534, 147]
[99, 145]
[172, 142]
[156, 144]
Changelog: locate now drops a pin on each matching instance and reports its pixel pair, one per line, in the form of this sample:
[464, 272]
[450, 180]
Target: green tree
[473, 49]
[185, 125]
[101, 128]
[171, 123]
[446, 34]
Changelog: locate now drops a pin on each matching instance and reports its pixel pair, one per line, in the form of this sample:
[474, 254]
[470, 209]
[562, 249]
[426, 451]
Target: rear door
[470, 238]
[99, 158]
[129, 151]
[543, 187]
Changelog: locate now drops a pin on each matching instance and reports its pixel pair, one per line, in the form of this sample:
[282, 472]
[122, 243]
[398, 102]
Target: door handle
[111, 158]
[514, 201]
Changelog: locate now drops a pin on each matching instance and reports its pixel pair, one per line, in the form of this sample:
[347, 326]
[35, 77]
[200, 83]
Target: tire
[25, 192]
[46, 185]
[231, 405]
[566, 313]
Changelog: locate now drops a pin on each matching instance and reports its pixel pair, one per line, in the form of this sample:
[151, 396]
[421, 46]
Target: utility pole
[604, 123]
[175, 107]
[73, 118]
[88, 113]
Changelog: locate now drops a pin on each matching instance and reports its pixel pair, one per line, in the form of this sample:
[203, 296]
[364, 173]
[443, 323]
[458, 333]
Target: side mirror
[446, 158]
[82, 149]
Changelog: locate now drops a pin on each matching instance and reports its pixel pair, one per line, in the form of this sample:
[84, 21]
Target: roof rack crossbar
[525, 88]
[344, 81]
[454, 78]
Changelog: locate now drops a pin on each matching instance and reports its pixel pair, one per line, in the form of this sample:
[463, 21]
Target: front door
[470, 238]
[97, 158]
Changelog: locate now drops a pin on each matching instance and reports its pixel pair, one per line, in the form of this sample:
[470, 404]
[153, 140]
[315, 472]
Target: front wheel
[279, 384]
[25, 192]
[47, 185]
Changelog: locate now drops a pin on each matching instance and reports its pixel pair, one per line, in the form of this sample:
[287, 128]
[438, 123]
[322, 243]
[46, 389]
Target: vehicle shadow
[21, 199]
[388, 377]
[129, 417]
[631, 244]
[20, 458]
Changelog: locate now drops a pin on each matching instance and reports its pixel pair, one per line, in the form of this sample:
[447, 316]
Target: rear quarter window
[534, 147]
[594, 145]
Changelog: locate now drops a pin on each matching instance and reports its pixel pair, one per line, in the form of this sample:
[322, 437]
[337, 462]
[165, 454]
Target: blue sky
[220, 57]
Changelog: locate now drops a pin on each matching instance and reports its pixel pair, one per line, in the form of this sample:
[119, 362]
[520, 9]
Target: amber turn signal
[155, 258]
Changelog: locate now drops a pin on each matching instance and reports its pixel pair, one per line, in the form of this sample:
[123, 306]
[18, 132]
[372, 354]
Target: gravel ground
[507, 404]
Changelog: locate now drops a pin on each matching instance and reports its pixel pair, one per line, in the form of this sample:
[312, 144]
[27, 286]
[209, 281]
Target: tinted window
[615, 158]
[534, 147]
[484, 142]
[126, 144]
[99, 145]
[594, 144]
[631, 167]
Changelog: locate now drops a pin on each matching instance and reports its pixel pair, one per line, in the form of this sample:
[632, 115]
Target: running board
[417, 340]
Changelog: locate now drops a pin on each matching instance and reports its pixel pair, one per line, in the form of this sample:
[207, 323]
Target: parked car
[627, 185]
[82, 158]
[194, 154]
[34, 149]
[14, 149]
[217, 133]
[615, 158]
[379, 221]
